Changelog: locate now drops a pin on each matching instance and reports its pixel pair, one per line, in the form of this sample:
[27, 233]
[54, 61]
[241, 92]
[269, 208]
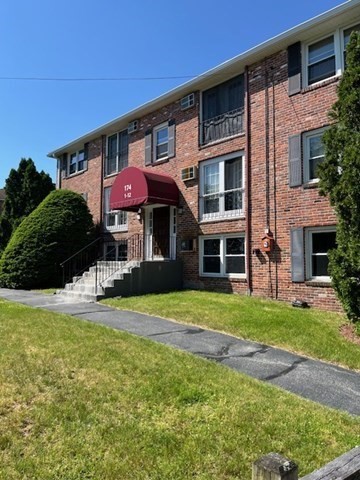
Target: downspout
[102, 182]
[58, 172]
[275, 199]
[247, 183]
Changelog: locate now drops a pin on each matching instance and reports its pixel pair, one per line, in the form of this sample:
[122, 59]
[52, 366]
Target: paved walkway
[318, 381]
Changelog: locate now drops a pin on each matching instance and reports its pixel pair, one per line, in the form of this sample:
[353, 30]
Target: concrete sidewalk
[318, 381]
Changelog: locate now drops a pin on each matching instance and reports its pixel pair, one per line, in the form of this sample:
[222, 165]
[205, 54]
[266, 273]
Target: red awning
[134, 188]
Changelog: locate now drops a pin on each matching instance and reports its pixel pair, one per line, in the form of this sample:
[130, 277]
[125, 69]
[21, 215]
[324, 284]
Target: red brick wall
[274, 116]
[295, 207]
[89, 181]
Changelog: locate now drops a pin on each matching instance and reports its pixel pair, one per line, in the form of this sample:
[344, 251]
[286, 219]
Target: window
[160, 143]
[306, 152]
[222, 110]
[222, 187]
[222, 256]
[319, 242]
[327, 57]
[188, 101]
[116, 251]
[314, 153]
[321, 60]
[113, 220]
[77, 162]
[346, 38]
[117, 152]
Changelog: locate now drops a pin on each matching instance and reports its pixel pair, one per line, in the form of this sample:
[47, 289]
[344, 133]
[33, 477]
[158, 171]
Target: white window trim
[306, 153]
[222, 214]
[308, 253]
[338, 35]
[77, 162]
[117, 170]
[118, 227]
[222, 273]
[156, 129]
[115, 245]
[342, 43]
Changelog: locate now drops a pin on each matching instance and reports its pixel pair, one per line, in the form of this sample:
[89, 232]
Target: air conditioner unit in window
[133, 126]
[188, 173]
[187, 101]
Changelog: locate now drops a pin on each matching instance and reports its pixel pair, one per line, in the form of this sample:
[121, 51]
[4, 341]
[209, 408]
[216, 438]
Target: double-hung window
[77, 162]
[160, 143]
[346, 38]
[222, 256]
[313, 247]
[222, 187]
[326, 57]
[314, 153]
[319, 242]
[321, 60]
[306, 152]
[117, 152]
[113, 220]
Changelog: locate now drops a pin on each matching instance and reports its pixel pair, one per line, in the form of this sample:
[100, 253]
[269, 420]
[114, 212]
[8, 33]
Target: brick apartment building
[220, 172]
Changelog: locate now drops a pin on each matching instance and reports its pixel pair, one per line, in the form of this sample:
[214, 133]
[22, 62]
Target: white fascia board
[229, 68]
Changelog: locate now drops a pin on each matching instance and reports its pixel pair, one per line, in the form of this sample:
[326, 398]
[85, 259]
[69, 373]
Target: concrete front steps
[83, 287]
[124, 279]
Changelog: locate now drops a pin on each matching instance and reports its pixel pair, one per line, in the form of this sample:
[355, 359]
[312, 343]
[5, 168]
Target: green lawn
[82, 401]
[309, 332]
[47, 291]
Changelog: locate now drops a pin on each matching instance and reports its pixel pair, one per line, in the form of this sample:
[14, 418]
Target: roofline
[248, 57]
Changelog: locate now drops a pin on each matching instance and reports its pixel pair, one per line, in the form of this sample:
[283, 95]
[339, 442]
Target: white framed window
[326, 58]
[161, 142]
[346, 38]
[321, 61]
[314, 153]
[222, 187]
[117, 152]
[77, 162]
[116, 251]
[113, 220]
[318, 242]
[222, 256]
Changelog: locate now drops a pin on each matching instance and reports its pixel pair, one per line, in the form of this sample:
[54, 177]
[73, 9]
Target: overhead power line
[94, 79]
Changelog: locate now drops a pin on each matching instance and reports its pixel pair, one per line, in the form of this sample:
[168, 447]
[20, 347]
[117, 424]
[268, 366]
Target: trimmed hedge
[59, 227]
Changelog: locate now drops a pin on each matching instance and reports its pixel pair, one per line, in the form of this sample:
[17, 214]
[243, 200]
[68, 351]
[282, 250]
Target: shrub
[340, 180]
[59, 227]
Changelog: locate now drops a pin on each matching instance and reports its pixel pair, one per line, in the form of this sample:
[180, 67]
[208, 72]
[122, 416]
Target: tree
[340, 181]
[25, 188]
[59, 227]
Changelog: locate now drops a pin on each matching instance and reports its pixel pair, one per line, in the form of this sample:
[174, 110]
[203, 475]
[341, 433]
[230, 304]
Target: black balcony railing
[222, 126]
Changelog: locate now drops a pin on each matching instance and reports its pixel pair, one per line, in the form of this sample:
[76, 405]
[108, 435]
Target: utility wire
[106, 79]
[94, 79]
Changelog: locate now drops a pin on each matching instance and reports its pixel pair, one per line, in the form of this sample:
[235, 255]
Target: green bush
[59, 227]
[340, 181]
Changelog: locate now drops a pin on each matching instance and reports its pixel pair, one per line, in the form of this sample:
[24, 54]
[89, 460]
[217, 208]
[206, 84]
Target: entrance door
[161, 232]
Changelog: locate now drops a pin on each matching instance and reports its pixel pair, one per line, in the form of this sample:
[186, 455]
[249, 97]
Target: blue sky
[114, 38]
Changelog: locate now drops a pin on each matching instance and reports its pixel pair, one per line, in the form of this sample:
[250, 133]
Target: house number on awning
[127, 190]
